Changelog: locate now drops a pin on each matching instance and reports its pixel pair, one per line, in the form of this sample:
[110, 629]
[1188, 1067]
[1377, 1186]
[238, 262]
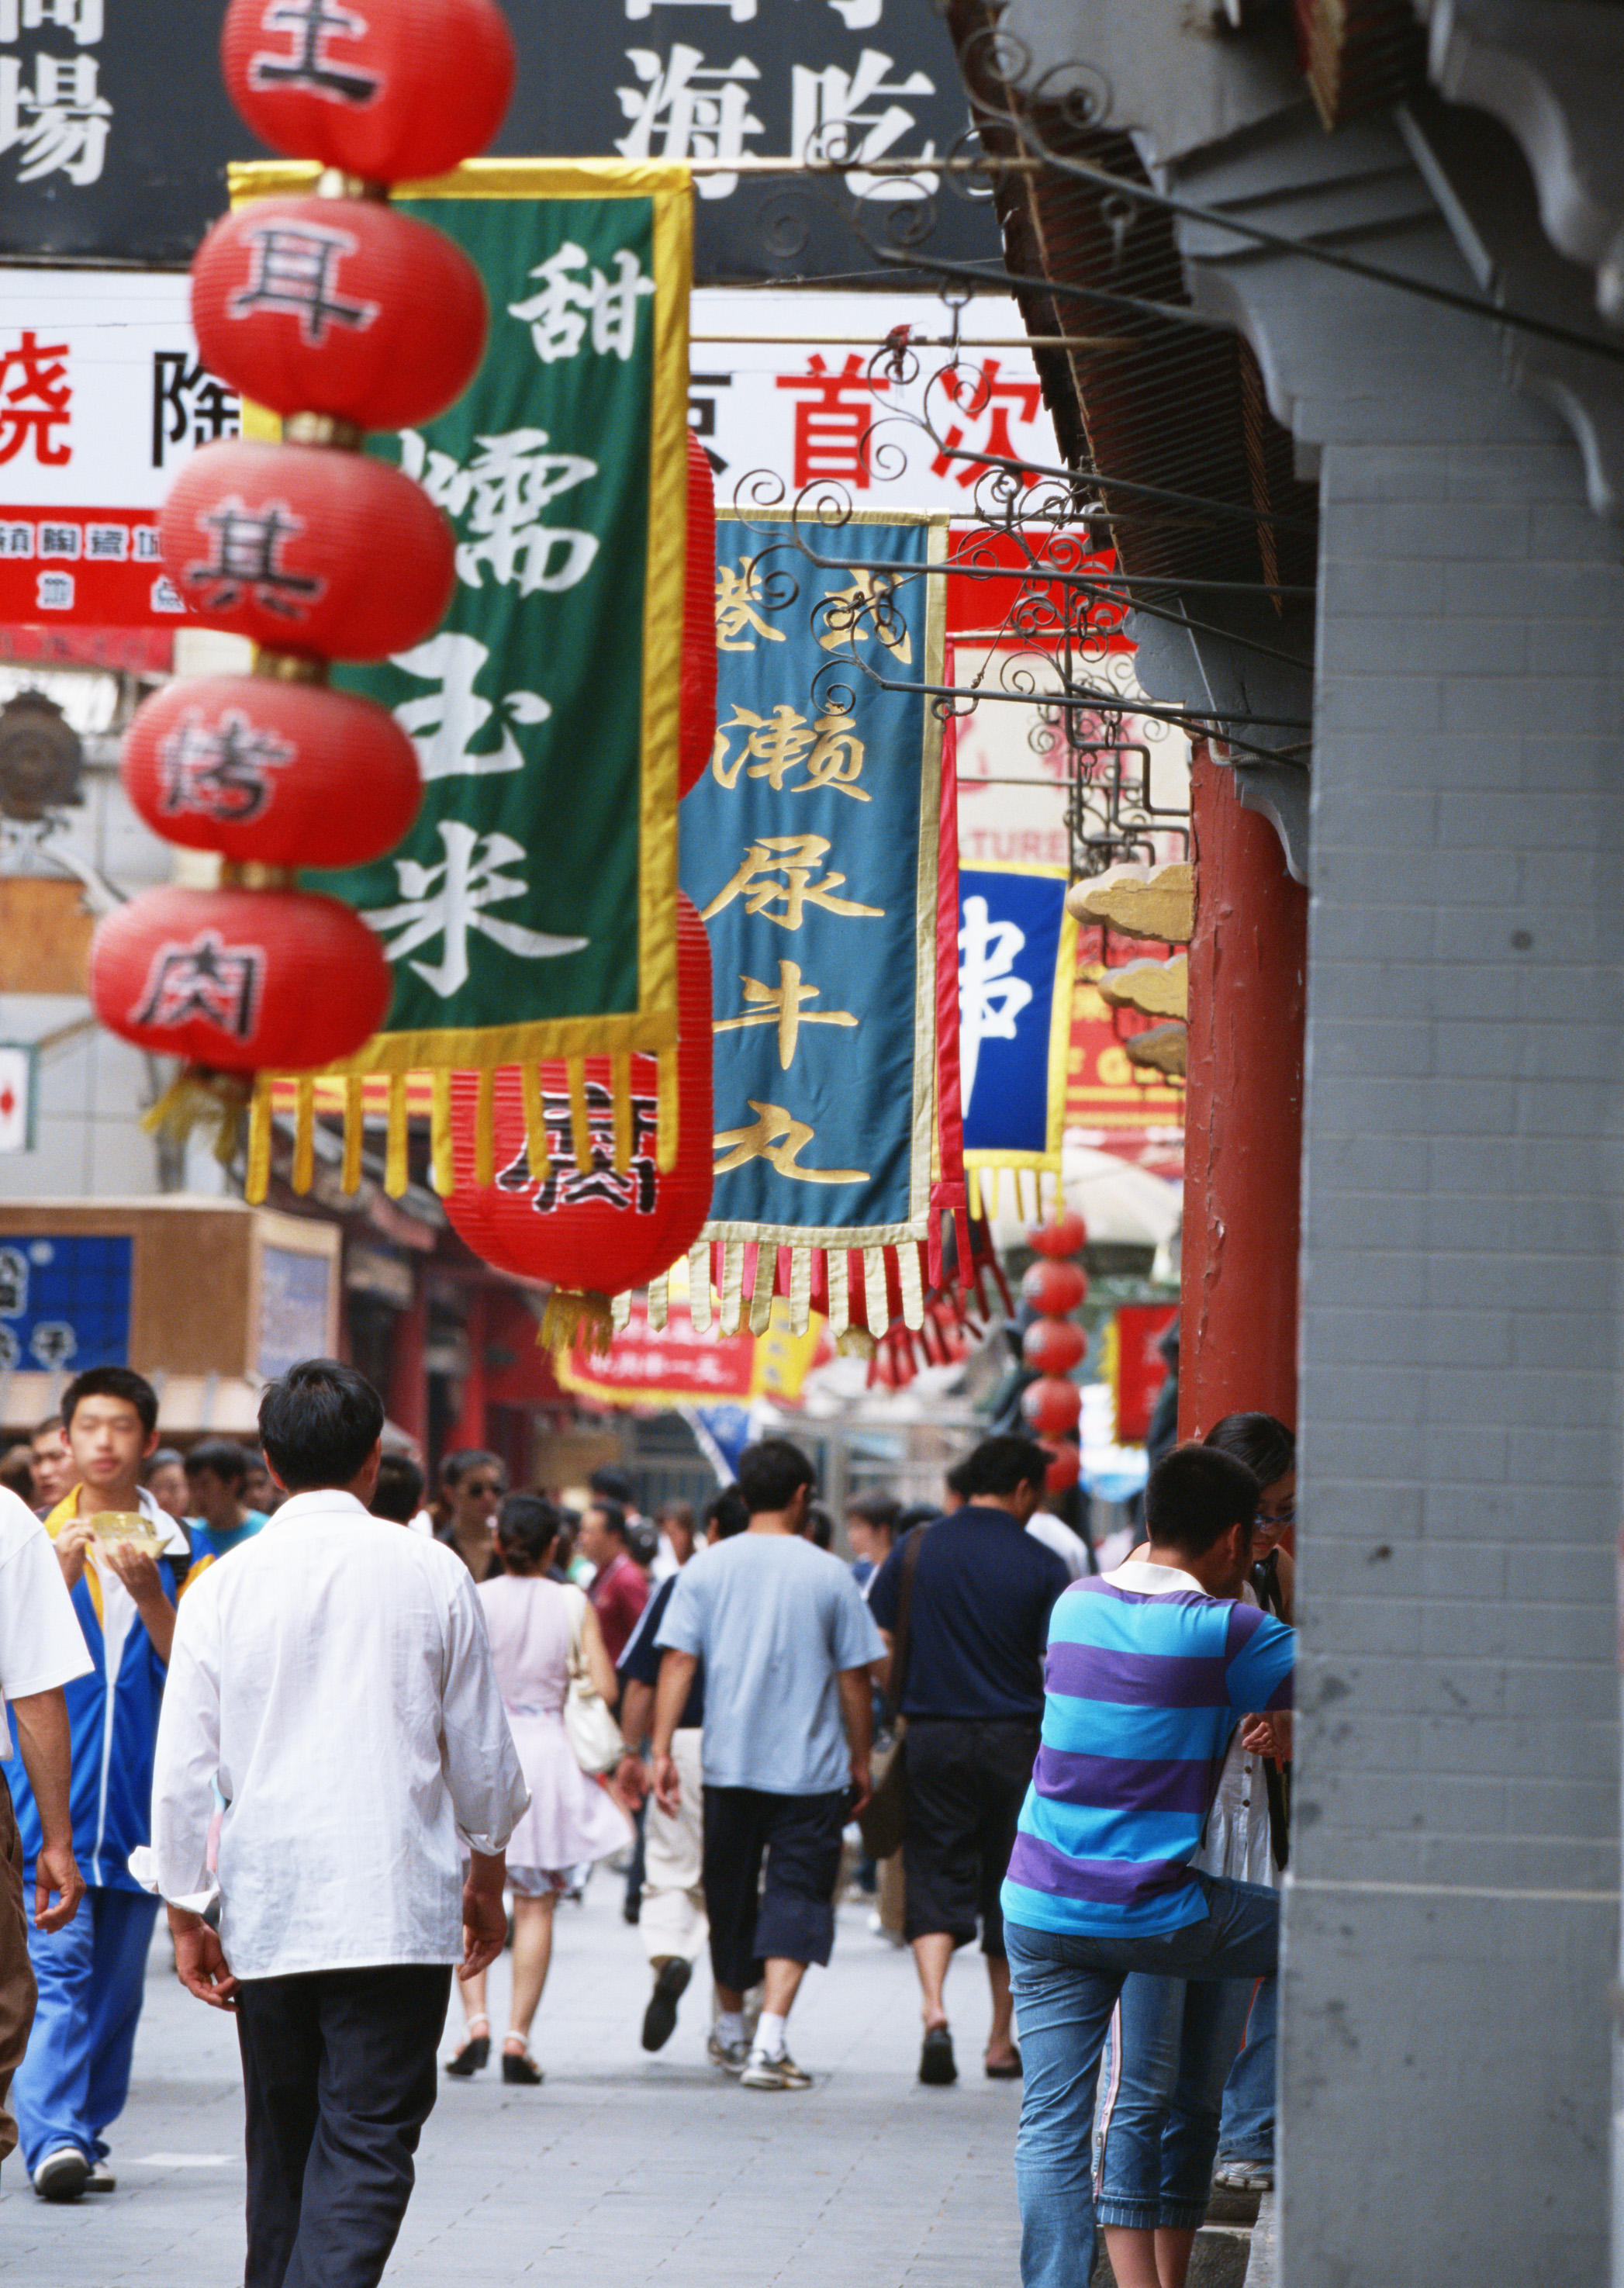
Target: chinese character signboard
[102, 398]
[19, 1082]
[1141, 1366]
[63, 1303]
[116, 131]
[811, 847]
[1112, 1103]
[530, 912]
[1017, 956]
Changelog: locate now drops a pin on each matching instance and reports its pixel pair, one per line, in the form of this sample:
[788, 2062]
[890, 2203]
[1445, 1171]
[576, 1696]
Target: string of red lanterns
[1054, 1343]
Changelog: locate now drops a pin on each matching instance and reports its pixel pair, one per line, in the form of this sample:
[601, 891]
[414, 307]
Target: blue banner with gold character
[1018, 963]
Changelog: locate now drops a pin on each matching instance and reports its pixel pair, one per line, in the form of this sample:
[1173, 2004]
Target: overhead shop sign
[114, 137]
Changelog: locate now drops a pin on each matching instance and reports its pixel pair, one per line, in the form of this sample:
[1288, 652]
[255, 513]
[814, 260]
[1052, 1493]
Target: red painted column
[408, 1387]
[469, 1430]
[1243, 1137]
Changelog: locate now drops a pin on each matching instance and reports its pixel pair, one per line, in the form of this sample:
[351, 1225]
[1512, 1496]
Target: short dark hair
[50, 1422]
[881, 1511]
[613, 1515]
[771, 1472]
[957, 1480]
[318, 1422]
[819, 1526]
[614, 1484]
[916, 1514]
[1195, 1494]
[1266, 1447]
[112, 1382]
[680, 1511]
[998, 1465]
[726, 1512]
[398, 1494]
[456, 1466]
[527, 1528]
[223, 1456]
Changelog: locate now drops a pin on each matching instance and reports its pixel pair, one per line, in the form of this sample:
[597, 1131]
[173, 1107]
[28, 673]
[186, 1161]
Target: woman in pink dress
[570, 1820]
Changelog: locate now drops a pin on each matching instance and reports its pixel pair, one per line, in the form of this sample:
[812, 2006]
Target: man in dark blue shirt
[973, 1599]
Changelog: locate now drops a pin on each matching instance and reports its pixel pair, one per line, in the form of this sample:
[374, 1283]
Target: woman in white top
[532, 1621]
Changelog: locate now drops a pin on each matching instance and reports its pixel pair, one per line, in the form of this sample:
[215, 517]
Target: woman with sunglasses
[472, 1484]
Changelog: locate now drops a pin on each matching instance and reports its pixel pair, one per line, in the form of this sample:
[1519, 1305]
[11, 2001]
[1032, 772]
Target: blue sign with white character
[64, 1302]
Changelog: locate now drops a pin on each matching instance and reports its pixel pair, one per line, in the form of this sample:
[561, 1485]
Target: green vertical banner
[531, 912]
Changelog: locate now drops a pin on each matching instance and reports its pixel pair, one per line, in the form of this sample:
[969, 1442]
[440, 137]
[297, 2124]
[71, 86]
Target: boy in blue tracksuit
[75, 2077]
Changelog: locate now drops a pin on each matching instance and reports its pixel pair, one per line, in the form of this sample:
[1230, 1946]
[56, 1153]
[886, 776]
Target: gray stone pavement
[621, 2168]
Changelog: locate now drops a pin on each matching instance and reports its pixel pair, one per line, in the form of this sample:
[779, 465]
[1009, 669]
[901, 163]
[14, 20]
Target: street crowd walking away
[346, 1737]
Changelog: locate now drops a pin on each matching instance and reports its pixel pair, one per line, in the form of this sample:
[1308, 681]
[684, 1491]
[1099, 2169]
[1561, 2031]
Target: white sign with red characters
[102, 398]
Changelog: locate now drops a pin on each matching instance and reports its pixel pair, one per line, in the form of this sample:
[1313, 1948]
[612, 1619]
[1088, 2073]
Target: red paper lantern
[1053, 1289]
[1054, 1345]
[1064, 1236]
[1065, 1468]
[307, 550]
[698, 623]
[269, 772]
[595, 1232]
[341, 306]
[387, 89]
[1052, 1405]
[237, 980]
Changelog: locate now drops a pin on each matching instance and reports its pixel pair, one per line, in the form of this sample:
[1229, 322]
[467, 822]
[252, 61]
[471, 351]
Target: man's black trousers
[787, 1909]
[339, 2075]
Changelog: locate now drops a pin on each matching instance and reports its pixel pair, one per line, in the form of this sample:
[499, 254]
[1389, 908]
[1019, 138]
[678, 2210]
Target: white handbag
[593, 1732]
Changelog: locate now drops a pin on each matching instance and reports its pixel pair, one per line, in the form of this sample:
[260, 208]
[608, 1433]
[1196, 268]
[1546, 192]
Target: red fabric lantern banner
[389, 89]
[305, 549]
[561, 1185]
[1064, 1467]
[270, 773]
[1054, 1345]
[1052, 1405]
[1053, 1289]
[1068, 1235]
[338, 306]
[699, 623]
[234, 979]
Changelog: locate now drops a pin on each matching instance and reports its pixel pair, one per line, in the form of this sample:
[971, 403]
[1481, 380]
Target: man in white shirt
[41, 1650]
[335, 1681]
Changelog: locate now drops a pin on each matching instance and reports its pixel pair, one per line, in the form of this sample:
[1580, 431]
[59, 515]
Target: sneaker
[62, 2175]
[660, 2018]
[732, 2057]
[762, 2072]
[101, 2179]
[1245, 2176]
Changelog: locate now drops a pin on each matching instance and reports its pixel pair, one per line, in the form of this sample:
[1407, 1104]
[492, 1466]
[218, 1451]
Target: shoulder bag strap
[896, 1675]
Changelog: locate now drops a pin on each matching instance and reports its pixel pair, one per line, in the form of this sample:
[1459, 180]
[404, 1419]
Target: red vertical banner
[1141, 1370]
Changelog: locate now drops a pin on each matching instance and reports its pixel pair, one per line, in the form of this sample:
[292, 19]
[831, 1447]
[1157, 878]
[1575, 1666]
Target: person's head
[818, 1527]
[260, 1491]
[611, 1483]
[1198, 1508]
[1005, 1473]
[51, 1460]
[398, 1494]
[957, 1481]
[111, 1415]
[17, 1472]
[776, 1480]
[216, 1472]
[871, 1526]
[725, 1514]
[676, 1521]
[474, 1482]
[916, 1513]
[526, 1533]
[166, 1481]
[1269, 1449]
[322, 1425]
[603, 1537]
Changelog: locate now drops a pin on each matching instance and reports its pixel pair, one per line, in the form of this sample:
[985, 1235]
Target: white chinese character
[559, 316]
[60, 121]
[16, 540]
[82, 18]
[499, 496]
[742, 12]
[706, 115]
[108, 544]
[990, 997]
[448, 902]
[55, 591]
[835, 120]
[858, 15]
[444, 726]
[165, 596]
[147, 548]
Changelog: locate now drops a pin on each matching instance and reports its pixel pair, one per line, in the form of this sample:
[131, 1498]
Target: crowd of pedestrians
[1086, 1774]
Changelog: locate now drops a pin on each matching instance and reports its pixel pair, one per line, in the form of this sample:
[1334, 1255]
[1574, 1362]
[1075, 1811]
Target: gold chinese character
[738, 595]
[784, 1004]
[784, 741]
[777, 1137]
[837, 758]
[799, 859]
[863, 609]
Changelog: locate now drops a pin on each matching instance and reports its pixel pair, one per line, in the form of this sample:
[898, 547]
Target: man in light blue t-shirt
[788, 1644]
[220, 1520]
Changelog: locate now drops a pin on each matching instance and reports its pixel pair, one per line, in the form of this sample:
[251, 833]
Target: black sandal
[475, 2054]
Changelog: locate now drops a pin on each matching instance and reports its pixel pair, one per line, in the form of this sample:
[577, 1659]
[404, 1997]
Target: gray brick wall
[1452, 1926]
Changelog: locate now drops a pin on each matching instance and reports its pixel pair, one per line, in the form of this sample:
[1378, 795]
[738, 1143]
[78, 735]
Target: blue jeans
[91, 1975]
[1174, 2043]
[1247, 2133]
[1066, 1988]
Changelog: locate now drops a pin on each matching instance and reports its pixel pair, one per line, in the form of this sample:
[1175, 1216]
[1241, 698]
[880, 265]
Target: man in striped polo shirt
[1149, 1670]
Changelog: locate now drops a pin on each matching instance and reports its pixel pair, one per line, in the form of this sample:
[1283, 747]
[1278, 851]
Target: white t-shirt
[1054, 1534]
[41, 1641]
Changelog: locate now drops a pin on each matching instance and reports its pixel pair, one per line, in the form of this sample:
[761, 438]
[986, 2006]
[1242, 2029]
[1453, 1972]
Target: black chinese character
[310, 21]
[295, 272]
[187, 399]
[569, 1186]
[223, 772]
[246, 544]
[207, 978]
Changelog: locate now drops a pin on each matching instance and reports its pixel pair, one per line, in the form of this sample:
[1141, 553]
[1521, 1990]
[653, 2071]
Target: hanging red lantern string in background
[343, 316]
[1054, 1343]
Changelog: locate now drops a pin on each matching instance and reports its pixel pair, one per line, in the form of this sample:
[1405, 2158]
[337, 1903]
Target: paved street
[623, 2168]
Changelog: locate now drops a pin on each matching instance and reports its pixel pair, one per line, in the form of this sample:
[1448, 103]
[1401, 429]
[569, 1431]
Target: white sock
[770, 2035]
[730, 2027]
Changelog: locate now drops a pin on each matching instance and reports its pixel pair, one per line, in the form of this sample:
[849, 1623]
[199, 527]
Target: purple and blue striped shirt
[1146, 1680]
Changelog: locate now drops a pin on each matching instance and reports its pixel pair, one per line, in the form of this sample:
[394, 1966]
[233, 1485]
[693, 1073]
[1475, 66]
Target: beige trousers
[18, 1992]
[673, 1919]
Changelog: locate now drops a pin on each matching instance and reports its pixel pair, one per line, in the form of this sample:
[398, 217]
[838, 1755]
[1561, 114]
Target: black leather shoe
[936, 2065]
[660, 2018]
[472, 2058]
